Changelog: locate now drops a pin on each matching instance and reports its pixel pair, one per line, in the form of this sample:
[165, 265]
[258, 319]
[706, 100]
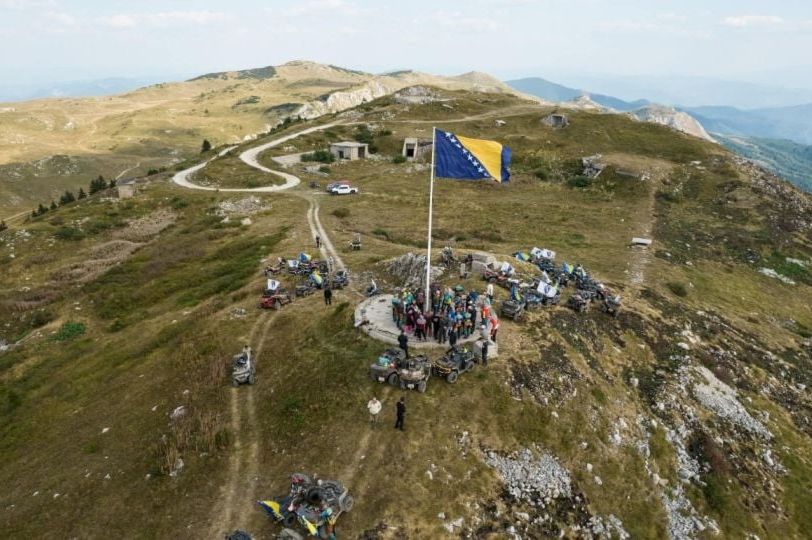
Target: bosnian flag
[470, 159]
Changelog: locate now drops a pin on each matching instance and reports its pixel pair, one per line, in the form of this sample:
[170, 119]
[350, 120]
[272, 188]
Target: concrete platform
[374, 317]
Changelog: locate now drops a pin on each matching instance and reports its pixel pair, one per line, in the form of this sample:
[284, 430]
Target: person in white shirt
[374, 408]
[489, 293]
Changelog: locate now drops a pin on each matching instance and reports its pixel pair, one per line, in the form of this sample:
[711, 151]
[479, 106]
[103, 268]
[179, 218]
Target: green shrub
[382, 233]
[69, 330]
[678, 289]
[41, 318]
[117, 325]
[322, 156]
[668, 196]
[324, 169]
[69, 233]
[177, 203]
[542, 174]
[580, 182]
[399, 159]
[341, 213]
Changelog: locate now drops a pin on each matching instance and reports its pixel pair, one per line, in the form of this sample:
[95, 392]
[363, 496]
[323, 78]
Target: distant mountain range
[792, 123]
[536, 86]
[780, 138]
[86, 88]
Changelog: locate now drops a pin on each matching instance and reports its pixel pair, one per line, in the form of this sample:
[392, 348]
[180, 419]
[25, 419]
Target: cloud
[458, 22]
[61, 18]
[161, 19]
[120, 20]
[745, 21]
[26, 4]
[316, 7]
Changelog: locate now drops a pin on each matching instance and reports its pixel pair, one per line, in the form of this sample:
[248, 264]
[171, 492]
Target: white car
[344, 189]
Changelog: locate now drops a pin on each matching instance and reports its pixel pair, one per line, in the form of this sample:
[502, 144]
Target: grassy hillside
[122, 311]
[791, 160]
[163, 124]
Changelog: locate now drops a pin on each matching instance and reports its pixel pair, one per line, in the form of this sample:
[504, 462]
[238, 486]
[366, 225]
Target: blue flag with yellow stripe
[470, 159]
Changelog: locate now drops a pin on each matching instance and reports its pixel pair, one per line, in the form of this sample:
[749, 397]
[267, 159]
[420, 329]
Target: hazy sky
[755, 40]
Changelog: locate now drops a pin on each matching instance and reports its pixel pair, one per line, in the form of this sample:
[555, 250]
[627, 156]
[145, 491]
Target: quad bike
[453, 363]
[447, 257]
[340, 279]
[611, 305]
[577, 303]
[275, 299]
[306, 289]
[497, 278]
[415, 373]
[546, 265]
[243, 369]
[385, 369]
[316, 505]
[512, 309]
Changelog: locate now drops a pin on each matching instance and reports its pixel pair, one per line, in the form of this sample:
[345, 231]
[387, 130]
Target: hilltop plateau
[686, 416]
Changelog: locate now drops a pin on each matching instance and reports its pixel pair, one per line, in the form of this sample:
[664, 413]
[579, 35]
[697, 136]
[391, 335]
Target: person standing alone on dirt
[328, 296]
[403, 343]
[374, 407]
[318, 241]
[400, 411]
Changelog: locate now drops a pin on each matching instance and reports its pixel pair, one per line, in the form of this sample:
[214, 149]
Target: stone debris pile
[532, 479]
[721, 399]
[246, 206]
[410, 270]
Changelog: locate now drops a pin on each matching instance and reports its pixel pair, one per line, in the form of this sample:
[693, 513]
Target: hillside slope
[163, 124]
[688, 413]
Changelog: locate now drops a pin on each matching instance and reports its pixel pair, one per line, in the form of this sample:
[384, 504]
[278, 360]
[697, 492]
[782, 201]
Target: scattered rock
[178, 412]
[247, 206]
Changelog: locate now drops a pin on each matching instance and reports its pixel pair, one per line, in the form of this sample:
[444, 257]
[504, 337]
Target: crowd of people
[453, 314]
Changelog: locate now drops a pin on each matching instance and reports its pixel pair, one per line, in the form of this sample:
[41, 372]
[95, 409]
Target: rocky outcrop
[669, 116]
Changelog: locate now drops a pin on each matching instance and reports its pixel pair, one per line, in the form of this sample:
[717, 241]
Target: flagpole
[426, 291]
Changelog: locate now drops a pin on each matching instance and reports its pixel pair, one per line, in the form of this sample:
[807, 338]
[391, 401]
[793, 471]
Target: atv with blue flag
[315, 505]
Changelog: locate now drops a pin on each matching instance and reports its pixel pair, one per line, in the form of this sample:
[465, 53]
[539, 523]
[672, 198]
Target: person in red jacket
[494, 328]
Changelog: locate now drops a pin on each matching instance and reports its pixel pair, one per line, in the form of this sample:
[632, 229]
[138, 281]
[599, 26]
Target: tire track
[232, 511]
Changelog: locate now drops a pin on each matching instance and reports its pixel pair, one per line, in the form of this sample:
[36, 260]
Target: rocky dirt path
[234, 506]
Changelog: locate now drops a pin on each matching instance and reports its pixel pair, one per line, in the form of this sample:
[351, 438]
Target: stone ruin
[593, 166]
[410, 270]
[556, 120]
[415, 95]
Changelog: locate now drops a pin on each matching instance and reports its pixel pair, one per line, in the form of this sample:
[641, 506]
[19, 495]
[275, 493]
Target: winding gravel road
[249, 157]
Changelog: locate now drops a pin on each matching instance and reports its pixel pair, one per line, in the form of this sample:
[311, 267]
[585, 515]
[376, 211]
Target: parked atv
[275, 299]
[454, 362]
[447, 257]
[305, 289]
[533, 301]
[512, 309]
[243, 369]
[577, 303]
[340, 279]
[385, 369]
[415, 373]
[611, 305]
[497, 278]
[316, 505]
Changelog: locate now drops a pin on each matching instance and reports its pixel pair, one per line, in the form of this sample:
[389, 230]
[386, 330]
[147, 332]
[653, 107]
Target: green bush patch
[69, 330]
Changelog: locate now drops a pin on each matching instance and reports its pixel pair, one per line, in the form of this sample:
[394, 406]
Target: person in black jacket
[452, 338]
[403, 343]
[401, 413]
[485, 352]
[328, 296]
